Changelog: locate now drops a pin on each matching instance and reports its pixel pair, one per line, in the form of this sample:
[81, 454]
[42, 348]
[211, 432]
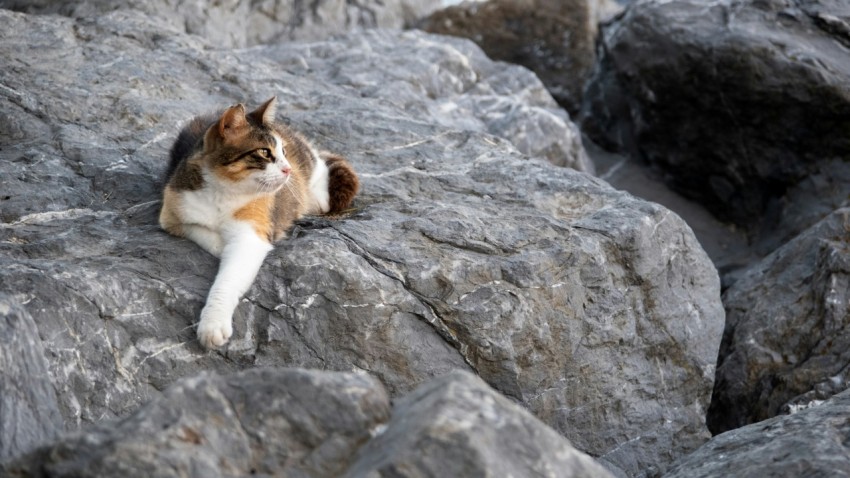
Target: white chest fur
[212, 206]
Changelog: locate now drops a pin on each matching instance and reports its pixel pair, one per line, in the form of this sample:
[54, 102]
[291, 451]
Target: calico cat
[235, 184]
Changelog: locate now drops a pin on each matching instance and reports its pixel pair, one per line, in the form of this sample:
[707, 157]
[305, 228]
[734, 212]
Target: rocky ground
[491, 306]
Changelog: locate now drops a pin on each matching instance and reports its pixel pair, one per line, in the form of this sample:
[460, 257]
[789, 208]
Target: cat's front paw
[215, 328]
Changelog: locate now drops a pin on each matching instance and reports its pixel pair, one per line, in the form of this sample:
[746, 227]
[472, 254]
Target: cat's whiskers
[294, 193]
[267, 186]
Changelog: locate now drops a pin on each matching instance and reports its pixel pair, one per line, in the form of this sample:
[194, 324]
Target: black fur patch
[189, 141]
[187, 177]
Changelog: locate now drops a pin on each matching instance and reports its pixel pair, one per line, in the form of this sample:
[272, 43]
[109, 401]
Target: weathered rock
[467, 89]
[739, 103]
[729, 247]
[271, 422]
[787, 341]
[29, 413]
[811, 442]
[240, 23]
[293, 422]
[597, 311]
[553, 38]
[458, 426]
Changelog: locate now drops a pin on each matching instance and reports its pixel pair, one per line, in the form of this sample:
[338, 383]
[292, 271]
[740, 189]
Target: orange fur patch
[258, 214]
[169, 218]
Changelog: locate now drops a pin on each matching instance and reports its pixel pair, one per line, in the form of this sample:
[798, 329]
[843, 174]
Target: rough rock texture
[742, 104]
[240, 23]
[786, 339]
[293, 422]
[280, 422]
[553, 38]
[597, 311]
[811, 442]
[467, 89]
[458, 426]
[29, 413]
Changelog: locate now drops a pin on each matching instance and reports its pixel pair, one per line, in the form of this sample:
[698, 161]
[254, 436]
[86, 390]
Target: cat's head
[244, 151]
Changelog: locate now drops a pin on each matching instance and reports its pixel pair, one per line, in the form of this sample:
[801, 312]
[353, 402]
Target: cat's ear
[265, 113]
[232, 121]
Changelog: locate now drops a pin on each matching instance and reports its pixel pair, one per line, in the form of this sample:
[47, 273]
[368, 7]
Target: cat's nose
[286, 170]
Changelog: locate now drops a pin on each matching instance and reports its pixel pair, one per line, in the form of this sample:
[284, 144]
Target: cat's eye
[265, 153]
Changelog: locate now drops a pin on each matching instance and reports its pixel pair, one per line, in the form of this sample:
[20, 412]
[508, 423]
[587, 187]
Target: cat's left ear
[265, 113]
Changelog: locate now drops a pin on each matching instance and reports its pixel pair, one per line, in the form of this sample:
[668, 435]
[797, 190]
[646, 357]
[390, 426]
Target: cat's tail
[343, 184]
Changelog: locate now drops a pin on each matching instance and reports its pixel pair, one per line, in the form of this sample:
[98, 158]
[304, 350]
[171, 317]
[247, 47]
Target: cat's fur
[235, 184]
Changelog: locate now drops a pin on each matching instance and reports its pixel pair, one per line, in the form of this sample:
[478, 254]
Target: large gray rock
[468, 90]
[293, 422]
[811, 442]
[29, 413]
[738, 103]
[240, 23]
[264, 421]
[553, 38]
[597, 311]
[787, 340]
[458, 426]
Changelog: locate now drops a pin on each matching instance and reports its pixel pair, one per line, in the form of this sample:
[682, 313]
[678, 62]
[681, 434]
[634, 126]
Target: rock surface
[292, 422]
[263, 421]
[811, 442]
[553, 38]
[597, 311]
[786, 339]
[456, 425]
[240, 23]
[738, 103]
[29, 413]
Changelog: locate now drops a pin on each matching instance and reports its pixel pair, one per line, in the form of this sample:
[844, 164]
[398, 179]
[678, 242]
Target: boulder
[787, 339]
[811, 442]
[241, 23]
[598, 312]
[271, 422]
[553, 38]
[456, 425]
[29, 413]
[738, 103]
[295, 422]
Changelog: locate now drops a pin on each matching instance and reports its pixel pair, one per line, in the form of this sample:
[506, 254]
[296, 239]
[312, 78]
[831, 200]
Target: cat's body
[235, 184]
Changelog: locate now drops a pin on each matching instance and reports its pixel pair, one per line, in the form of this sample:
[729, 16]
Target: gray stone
[786, 339]
[267, 422]
[739, 103]
[811, 442]
[467, 89]
[293, 422]
[29, 413]
[553, 38]
[240, 23]
[458, 426]
[598, 312]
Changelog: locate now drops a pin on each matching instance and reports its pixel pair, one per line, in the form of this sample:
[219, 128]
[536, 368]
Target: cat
[235, 184]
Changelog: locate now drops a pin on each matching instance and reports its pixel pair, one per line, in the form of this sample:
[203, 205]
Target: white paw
[214, 328]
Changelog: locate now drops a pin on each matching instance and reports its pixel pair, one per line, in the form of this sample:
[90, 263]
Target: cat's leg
[241, 257]
[205, 237]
